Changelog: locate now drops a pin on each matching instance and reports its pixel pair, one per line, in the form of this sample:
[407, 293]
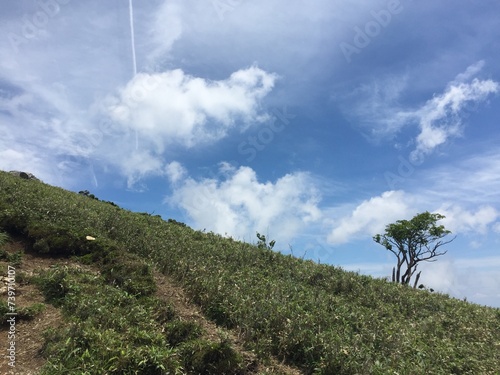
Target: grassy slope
[320, 318]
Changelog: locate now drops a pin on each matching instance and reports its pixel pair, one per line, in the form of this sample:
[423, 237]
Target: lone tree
[413, 241]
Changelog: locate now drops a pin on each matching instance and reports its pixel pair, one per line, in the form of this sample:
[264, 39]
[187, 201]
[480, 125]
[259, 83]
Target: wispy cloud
[378, 107]
[440, 118]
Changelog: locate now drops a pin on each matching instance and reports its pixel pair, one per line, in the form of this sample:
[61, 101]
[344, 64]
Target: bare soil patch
[29, 334]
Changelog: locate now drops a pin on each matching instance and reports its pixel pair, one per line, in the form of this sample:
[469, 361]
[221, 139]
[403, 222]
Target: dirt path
[167, 290]
[29, 334]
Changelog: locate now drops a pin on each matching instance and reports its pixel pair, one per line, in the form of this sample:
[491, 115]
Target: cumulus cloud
[459, 219]
[478, 279]
[371, 216]
[175, 108]
[238, 204]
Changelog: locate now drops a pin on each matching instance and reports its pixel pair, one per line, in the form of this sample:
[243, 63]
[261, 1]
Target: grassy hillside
[318, 318]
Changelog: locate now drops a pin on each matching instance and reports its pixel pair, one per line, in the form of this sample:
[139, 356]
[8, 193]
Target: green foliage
[208, 358]
[55, 285]
[413, 241]
[321, 318]
[262, 243]
[14, 259]
[54, 239]
[162, 311]
[87, 194]
[129, 272]
[179, 331]
[119, 333]
[173, 221]
[24, 313]
[4, 238]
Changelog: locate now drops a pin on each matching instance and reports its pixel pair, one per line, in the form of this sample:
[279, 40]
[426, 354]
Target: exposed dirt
[29, 334]
[169, 291]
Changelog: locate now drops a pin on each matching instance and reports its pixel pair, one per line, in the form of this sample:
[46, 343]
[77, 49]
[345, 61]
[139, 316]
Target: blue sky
[316, 123]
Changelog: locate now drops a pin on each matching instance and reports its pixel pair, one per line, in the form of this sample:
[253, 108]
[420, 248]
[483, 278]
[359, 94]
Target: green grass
[24, 313]
[114, 332]
[318, 317]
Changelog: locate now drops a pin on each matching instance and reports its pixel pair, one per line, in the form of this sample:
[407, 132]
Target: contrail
[132, 37]
[134, 60]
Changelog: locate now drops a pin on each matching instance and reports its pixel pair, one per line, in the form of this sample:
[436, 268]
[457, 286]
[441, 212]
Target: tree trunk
[416, 279]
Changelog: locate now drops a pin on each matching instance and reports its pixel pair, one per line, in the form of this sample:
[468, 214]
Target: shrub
[12, 221]
[4, 238]
[163, 312]
[55, 285]
[180, 331]
[129, 272]
[208, 358]
[56, 240]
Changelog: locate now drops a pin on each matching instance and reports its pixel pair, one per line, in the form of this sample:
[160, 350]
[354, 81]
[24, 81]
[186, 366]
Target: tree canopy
[413, 241]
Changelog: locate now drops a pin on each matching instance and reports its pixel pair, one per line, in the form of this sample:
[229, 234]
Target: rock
[24, 175]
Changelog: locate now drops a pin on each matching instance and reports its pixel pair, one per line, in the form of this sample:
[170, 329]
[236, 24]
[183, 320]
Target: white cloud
[377, 106]
[139, 164]
[175, 172]
[478, 279]
[371, 216]
[496, 227]
[470, 72]
[467, 192]
[23, 160]
[151, 112]
[459, 219]
[240, 205]
[166, 28]
[175, 108]
[439, 119]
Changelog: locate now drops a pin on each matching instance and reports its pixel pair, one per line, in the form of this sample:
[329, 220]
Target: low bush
[55, 285]
[4, 238]
[129, 272]
[208, 358]
[178, 332]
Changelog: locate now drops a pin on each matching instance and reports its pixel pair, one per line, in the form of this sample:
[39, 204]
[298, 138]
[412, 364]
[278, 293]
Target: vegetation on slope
[321, 318]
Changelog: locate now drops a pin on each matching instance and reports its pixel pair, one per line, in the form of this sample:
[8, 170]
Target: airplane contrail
[132, 37]
[134, 60]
